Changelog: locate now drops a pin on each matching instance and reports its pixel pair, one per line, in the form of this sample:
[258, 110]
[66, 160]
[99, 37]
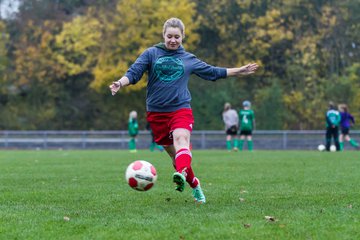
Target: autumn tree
[126, 35]
[57, 59]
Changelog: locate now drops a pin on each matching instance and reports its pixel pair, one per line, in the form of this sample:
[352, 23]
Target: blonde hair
[175, 23]
[343, 107]
[132, 115]
[227, 106]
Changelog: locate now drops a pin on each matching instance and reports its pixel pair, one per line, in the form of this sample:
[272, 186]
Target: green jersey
[246, 118]
[133, 127]
[333, 118]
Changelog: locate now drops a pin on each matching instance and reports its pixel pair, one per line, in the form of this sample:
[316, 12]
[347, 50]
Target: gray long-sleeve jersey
[230, 118]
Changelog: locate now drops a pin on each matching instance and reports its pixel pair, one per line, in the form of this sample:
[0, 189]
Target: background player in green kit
[333, 119]
[133, 129]
[247, 124]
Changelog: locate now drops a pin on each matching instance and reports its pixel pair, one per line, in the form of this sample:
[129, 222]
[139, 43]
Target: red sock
[190, 178]
[182, 159]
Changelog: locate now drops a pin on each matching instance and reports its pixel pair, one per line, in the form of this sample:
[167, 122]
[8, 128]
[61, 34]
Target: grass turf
[83, 195]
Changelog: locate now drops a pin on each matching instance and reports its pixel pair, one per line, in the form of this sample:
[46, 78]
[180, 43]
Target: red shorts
[163, 124]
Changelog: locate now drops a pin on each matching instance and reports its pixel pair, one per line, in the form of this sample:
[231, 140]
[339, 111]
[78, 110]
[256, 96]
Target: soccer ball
[332, 148]
[141, 175]
[321, 147]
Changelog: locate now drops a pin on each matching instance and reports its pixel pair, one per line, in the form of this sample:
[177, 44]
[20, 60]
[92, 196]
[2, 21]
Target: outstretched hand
[248, 69]
[114, 87]
[244, 70]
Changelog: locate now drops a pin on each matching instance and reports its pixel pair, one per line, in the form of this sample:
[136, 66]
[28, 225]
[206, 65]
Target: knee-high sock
[250, 145]
[228, 145]
[328, 143]
[236, 143]
[353, 143]
[183, 162]
[190, 178]
[132, 144]
[182, 159]
[152, 146]
[241, 144]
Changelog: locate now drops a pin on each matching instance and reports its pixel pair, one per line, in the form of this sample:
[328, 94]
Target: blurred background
[57, 58]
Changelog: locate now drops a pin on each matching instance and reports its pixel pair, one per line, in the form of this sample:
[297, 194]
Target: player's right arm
[133, 74]
[117, 85]
[240, 118]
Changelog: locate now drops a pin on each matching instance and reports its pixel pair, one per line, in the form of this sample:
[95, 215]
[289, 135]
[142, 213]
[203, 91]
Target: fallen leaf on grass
[247, 225]
[242, 199]
[270, 218]
[243, 191]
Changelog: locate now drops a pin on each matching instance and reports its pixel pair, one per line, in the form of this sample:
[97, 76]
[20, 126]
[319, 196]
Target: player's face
[172, 38]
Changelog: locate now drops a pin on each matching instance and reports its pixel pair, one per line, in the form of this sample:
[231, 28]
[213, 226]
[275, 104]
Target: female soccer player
[169, 113]
[247, 125]
[231, 121]
[133, 129]
[347, 120]
[333, 119]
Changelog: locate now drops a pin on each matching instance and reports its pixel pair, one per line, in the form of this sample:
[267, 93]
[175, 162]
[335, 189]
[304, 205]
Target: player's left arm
[237, 120]
[328, 120]
[243, 70]
[254, 122]
[240, 119]
[338, 119]
[352, 119]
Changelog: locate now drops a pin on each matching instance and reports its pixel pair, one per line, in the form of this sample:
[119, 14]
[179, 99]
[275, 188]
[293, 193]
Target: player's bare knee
[181, 139]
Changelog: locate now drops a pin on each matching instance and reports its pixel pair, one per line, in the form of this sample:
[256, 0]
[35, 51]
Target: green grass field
[83, 195]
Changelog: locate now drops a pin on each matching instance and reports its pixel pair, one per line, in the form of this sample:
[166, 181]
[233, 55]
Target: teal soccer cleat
[198, 194]
[179, 180]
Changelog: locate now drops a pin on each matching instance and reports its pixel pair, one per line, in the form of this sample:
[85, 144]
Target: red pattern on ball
[148, 186]
[137, 165]
[153, 170]
[132, 182]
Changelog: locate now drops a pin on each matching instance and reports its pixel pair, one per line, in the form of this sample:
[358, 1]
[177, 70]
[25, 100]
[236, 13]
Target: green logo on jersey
[169, 69]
